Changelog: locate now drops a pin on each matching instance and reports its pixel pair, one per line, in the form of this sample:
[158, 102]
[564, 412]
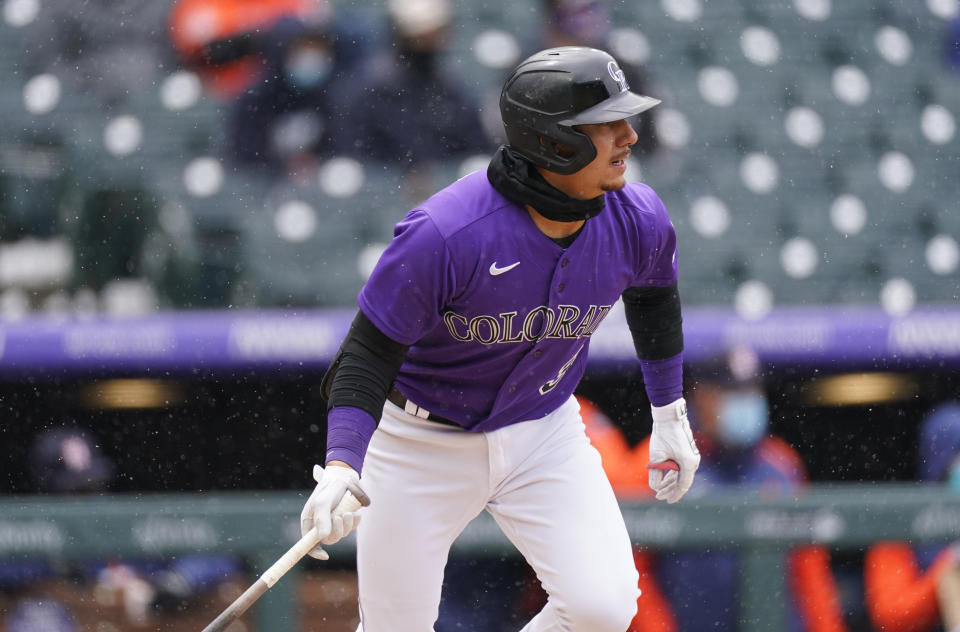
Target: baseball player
[452, 393]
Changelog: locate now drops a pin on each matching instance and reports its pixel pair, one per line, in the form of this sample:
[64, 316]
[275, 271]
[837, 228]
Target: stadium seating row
[808, 147]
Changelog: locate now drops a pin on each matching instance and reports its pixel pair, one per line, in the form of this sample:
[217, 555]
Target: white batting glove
[672, 440]
[332, 483]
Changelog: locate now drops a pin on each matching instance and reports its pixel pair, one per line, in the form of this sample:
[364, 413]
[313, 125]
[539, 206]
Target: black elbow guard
[655, 321]
[364, 368]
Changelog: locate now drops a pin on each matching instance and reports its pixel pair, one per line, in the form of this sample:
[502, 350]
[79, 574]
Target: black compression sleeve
[655, 322]
[363, 371]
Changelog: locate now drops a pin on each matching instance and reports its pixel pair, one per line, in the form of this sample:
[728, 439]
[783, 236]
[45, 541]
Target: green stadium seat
[209, 246]
[302, 248]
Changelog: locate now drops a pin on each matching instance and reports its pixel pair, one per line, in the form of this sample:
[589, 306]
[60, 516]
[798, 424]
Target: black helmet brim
[621, 106]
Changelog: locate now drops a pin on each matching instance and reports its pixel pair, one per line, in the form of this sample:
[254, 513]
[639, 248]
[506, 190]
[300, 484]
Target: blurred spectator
[407, 109]
[106, 49]
[39, 615]
[68, 460]
[904, 584]
[697, 590]
[217, 38]
[62, 460]
[953, 43]
[588, 23]
[293, 118]
[487, 593]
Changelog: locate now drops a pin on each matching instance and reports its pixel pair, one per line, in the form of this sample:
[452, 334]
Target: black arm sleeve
[364, 368]
[655, 322]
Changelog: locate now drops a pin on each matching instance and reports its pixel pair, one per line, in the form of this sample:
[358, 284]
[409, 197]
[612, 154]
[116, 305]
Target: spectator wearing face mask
[294, 117]
[218, 39]
[912, 588]
[697, 590]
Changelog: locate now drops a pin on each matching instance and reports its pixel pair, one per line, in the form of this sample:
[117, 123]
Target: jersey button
[560, 287]
[512, 389]
[537, 353]
[563, 264]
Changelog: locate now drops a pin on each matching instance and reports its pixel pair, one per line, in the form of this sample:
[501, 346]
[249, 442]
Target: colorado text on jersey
[564, 321]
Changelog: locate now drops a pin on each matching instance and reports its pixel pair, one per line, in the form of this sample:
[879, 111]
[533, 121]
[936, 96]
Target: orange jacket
[901, 598]
[195, 24]
[626, 467]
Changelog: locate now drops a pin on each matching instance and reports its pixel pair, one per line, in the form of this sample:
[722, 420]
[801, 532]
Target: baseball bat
[278, 569]
[669, 464]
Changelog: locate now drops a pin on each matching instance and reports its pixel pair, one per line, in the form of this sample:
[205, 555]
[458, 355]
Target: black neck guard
[518, 180]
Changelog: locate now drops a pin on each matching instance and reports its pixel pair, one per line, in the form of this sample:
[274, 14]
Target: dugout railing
[261, 526]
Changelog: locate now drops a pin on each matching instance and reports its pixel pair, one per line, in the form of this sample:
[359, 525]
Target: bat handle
[667, 465]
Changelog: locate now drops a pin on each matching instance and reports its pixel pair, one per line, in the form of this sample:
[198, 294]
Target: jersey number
[546, 388]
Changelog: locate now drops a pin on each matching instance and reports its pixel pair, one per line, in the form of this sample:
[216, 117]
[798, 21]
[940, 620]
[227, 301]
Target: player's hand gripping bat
[288, 560]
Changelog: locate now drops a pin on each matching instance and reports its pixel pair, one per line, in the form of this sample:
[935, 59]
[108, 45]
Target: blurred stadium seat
[790, 107]
[809, 155]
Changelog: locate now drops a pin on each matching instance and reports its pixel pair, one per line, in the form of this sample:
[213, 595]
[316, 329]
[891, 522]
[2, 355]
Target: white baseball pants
[541, 481]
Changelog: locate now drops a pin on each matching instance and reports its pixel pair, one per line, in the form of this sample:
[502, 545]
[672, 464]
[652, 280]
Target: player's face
[606, 171]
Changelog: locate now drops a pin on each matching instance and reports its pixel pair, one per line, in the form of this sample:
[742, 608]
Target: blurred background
[192, 192]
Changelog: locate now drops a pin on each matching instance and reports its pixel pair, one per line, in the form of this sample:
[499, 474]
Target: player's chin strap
[517, 179]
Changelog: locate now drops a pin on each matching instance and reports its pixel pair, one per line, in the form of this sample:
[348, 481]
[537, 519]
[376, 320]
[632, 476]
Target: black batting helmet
[552, 91]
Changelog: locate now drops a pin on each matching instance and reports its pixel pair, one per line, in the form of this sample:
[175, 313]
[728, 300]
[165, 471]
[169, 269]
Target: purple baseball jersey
[498, 316]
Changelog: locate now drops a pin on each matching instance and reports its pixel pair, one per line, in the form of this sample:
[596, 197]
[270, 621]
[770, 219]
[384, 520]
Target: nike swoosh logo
[495, 271]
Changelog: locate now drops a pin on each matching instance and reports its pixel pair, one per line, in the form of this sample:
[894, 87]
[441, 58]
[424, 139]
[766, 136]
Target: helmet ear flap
[571, 153]
[562, 149]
